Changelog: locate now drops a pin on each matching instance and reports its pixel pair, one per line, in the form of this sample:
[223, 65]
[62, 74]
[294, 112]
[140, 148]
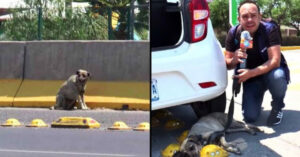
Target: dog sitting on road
[200, 133]
[72, 91]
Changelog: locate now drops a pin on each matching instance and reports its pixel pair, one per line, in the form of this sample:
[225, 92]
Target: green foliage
[284, 12]
[142, 21]
[219, 14]
[122, 8]
[58, 23]
[294, 18]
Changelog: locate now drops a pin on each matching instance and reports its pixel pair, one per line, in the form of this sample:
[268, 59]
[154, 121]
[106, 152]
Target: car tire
[217, 104]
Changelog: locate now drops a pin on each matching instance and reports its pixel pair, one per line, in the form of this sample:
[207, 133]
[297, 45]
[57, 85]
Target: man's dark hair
[248, 1]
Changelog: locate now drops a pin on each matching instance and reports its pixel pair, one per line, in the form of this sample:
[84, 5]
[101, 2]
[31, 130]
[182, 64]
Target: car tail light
[199, 13]
[207, 84]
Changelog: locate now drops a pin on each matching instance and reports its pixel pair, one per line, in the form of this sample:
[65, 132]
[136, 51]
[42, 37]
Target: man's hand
[233, 58]
[240, 54]
[244, 75]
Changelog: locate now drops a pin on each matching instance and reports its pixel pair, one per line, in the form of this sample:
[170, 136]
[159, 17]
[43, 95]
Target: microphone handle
[243, 65]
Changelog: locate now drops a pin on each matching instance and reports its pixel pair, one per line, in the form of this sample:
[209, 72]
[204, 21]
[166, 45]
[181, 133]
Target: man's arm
[273, 62]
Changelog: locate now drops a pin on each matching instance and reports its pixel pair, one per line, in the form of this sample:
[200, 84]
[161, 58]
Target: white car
[188, 65]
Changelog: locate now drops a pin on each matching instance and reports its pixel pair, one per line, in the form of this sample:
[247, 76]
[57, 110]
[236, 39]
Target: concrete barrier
[11, 70]
[106, 60]
[11, 60]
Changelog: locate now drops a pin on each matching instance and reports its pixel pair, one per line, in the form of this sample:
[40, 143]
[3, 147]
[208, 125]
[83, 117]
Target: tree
[56, 25]
[122, 8]
[283, 12]
[142, 20]
[294, 18]
[219, 14]
[276, 9]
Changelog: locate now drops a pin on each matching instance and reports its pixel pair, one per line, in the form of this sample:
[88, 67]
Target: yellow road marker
[173, 124]
[144, 126]
[37, 123]
[119, 125]
[75, 122]
[170, 150]
[183, 136]
[12, 122]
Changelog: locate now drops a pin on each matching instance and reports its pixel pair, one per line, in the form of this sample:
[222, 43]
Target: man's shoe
[275, 117]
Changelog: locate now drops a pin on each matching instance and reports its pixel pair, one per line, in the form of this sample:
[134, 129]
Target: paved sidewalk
[283, 141]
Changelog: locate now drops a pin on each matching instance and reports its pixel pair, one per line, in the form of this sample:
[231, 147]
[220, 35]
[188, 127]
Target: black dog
[200, 132]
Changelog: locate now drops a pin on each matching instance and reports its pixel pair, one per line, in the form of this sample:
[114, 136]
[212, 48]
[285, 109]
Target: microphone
[246, 43]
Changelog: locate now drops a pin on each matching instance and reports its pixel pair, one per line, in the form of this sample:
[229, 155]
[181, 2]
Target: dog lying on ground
[72, 91]
[200, 132]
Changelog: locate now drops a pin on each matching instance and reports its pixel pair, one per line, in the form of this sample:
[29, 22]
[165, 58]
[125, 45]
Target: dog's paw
[51, 108]
[84, 107]
[234, 149]
[267, 130]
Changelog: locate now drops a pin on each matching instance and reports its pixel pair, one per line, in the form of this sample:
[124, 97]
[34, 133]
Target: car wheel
[217, 104]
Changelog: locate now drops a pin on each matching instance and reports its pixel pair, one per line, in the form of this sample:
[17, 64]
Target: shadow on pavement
[161, 138]
[290, 124]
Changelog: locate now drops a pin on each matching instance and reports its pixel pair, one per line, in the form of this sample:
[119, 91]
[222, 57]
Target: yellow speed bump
[173, 124]
[119, 125]
[160, 114]
[170, 150]
[75, 122]
[37, 123]
[212, 150]
[182, 136]
[144, 126]
[11, 122]
[154, 122]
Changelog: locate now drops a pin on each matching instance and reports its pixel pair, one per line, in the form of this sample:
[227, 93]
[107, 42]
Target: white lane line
[66, 153]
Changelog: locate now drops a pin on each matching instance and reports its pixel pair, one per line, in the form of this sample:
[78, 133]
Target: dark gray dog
[200, 132]
[71, 92]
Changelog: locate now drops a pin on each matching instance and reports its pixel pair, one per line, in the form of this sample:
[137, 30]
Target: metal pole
[128, 23]
[131, 20]
[40, 18]
[109, 24]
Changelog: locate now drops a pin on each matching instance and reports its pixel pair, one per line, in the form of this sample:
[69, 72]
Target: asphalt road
[49, 142]
[67, 142]
[282, 140]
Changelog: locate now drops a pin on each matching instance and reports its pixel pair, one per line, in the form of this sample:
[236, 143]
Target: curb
[99, 94]
[284, 48]
[8, 89]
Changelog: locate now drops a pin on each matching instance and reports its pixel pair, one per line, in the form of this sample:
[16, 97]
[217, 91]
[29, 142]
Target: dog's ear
[89, 75]
[77, 72]
[191, 148]
[199, 138]
[196, 139]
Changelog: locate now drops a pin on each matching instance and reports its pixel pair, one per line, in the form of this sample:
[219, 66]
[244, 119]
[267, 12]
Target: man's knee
[277, 82]
[276, 75]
